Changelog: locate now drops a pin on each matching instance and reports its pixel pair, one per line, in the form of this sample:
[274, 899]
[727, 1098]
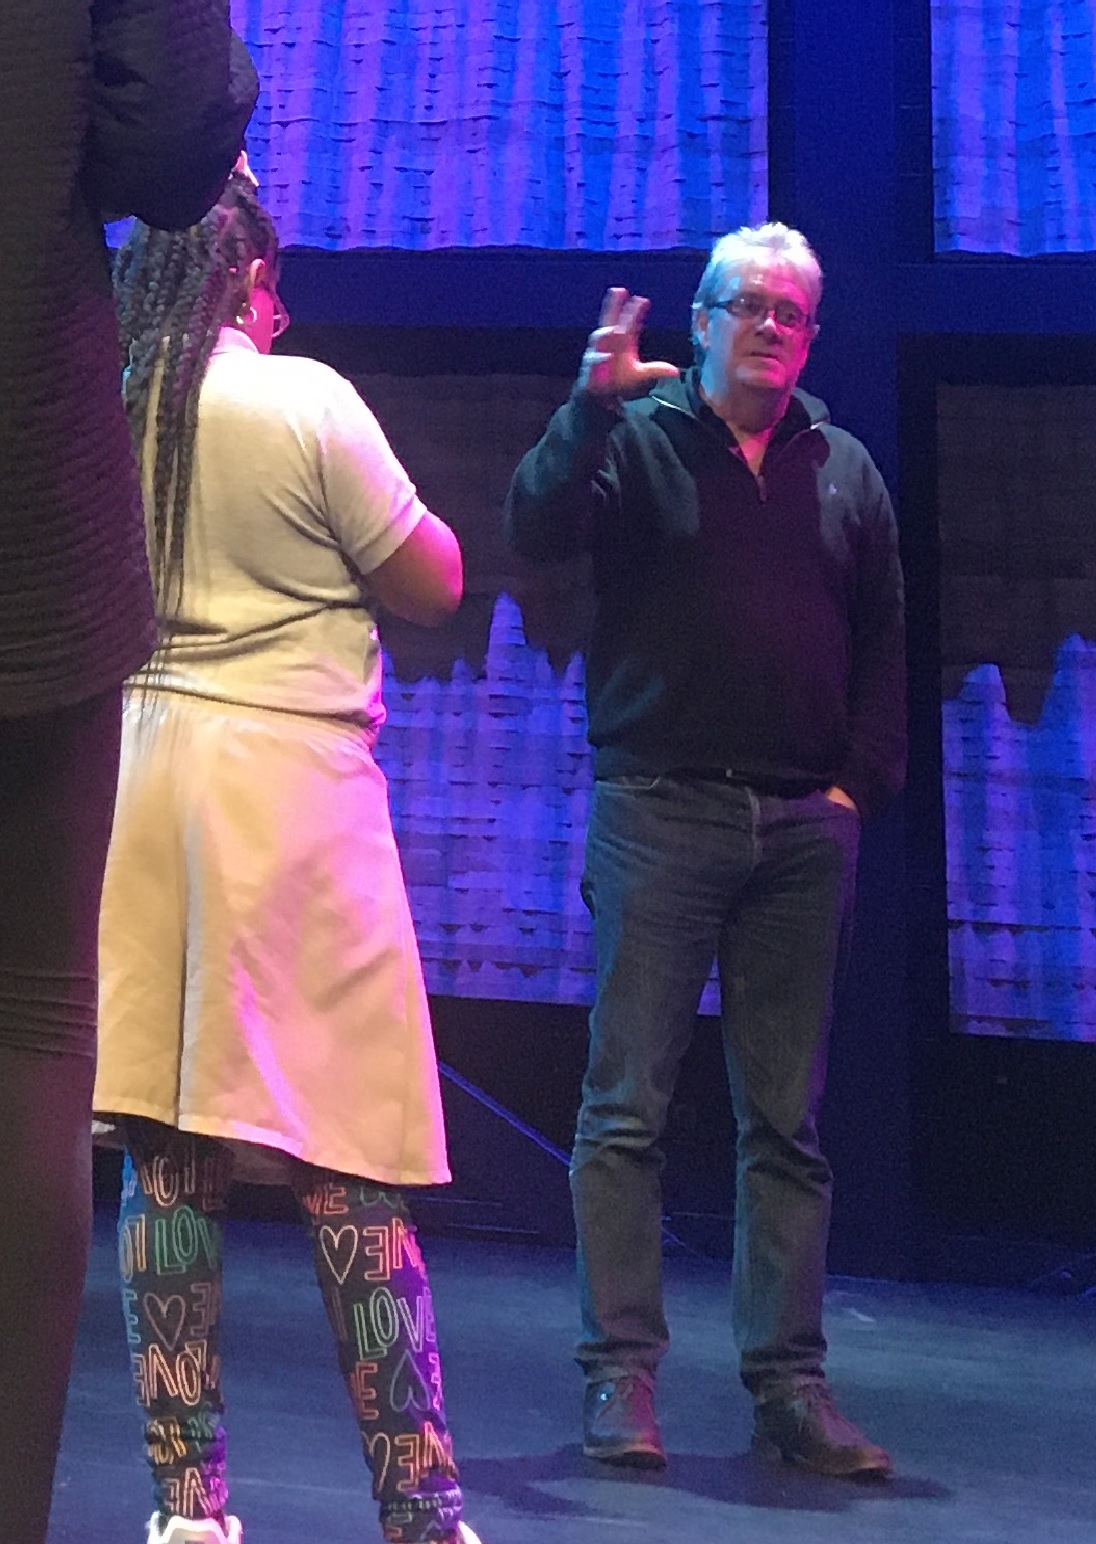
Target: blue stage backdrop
[485, 744]
[1018, 610]
[594, 124]
[1014, 106]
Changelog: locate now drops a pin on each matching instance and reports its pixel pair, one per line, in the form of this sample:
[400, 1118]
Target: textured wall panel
[490, 786]
[485, 744]
[1018, 609]
[599, 124]
[1014, 106]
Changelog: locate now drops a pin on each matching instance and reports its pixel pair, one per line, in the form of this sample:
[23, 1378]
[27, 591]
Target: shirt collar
[231, 338]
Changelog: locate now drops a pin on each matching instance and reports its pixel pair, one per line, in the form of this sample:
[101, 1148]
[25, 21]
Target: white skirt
[260, 979]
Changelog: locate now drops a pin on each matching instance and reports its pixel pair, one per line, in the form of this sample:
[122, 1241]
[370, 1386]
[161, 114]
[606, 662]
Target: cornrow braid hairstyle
[174, 291]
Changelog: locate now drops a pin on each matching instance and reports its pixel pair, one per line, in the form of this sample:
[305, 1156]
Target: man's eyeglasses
[756, 310]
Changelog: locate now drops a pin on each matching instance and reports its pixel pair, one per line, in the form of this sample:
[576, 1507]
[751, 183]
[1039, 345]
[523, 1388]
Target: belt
[767, 787]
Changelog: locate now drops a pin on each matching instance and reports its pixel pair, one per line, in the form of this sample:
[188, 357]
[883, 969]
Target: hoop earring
[248, 320]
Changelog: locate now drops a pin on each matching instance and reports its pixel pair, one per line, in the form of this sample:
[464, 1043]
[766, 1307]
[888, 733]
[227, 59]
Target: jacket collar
[803, 411]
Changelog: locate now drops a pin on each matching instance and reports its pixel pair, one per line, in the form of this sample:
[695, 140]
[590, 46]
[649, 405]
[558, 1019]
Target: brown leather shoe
[800, 1424]
[619, 1425]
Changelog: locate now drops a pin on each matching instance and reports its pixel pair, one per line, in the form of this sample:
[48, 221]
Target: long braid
[175, 290]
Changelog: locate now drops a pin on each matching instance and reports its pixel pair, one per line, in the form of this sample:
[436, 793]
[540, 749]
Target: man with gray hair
[745, 695]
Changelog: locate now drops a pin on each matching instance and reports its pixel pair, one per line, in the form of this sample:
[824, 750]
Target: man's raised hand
[611, 366]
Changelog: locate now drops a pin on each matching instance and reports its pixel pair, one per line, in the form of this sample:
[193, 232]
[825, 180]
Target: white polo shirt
[296, 497]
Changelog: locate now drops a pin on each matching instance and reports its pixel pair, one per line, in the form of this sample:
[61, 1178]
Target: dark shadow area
[740, 1480]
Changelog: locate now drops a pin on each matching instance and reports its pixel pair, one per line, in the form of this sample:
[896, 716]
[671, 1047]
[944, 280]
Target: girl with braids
[262, 1005]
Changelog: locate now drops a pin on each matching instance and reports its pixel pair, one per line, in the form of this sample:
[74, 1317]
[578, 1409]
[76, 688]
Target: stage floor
[986, 1399]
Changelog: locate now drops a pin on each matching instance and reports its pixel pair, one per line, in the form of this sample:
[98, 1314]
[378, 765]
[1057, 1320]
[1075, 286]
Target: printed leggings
[377, 1295]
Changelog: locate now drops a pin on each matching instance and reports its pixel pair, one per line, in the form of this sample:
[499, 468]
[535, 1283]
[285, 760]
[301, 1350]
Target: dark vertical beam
[833, 159]
[928, 986]
[913, 146]
[782, 162]
[833, 174]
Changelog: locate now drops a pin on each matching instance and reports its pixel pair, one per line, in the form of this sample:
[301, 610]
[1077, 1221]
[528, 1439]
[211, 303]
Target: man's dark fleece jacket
[745, 626]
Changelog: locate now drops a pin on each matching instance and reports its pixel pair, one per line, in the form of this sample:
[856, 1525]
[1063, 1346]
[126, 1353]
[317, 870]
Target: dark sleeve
[173, 90]
[875, 766]
[561, 483]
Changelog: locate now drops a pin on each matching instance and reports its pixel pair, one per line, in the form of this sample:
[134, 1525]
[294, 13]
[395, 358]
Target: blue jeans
[681, 871]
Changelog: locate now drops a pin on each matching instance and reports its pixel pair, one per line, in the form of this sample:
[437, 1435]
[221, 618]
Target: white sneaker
[466, 1534]
[185, 1530]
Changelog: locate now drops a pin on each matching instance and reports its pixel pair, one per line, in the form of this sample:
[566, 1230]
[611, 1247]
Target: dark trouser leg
[377, 1294]
[170, 1237]
[45, 1217]
[778, 959]
[662, 864]
[58, 775]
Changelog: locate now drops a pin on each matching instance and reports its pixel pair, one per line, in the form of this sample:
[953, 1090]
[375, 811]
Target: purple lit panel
[1018, 649]
[1021, 827]
[595, 124]
[1014, 109]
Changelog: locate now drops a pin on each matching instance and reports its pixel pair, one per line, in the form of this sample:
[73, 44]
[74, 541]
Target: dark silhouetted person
[106, 109]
